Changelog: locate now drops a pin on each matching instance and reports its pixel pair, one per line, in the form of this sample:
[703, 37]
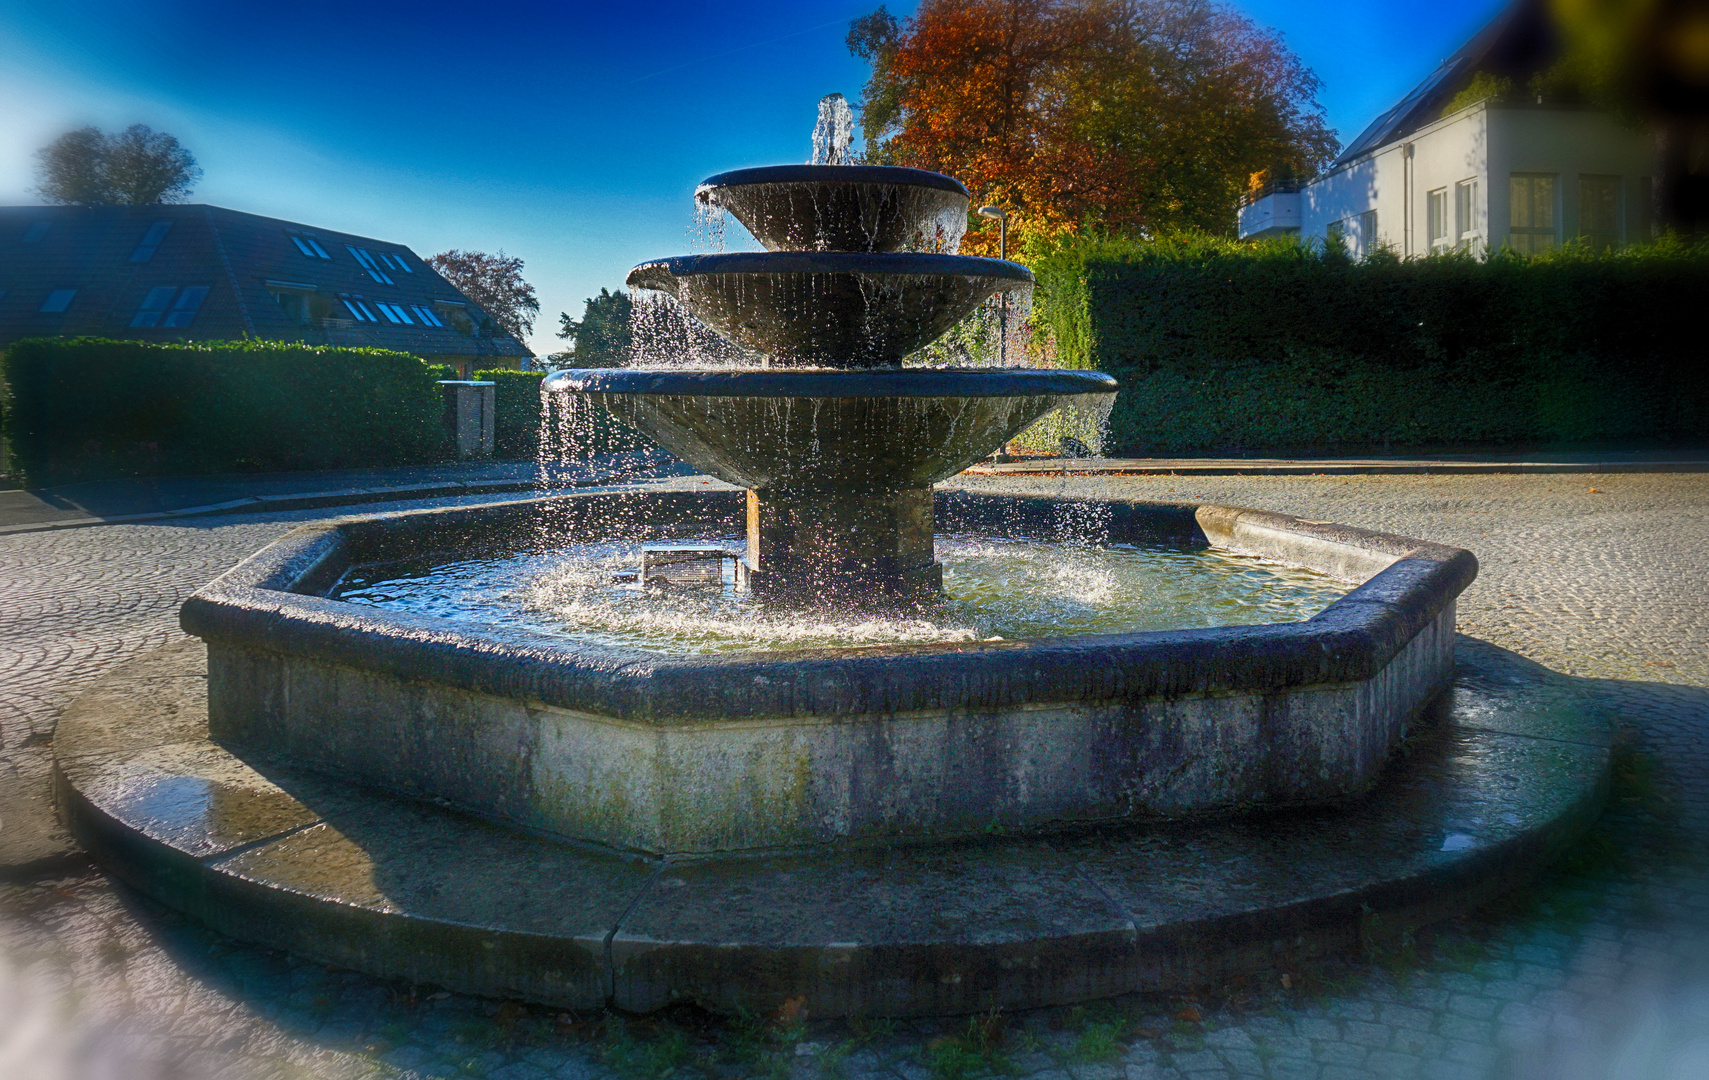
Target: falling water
[833, 133]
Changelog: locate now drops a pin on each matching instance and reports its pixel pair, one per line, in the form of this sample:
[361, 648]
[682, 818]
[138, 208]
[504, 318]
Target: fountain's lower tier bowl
[856, 430]
[736, 752]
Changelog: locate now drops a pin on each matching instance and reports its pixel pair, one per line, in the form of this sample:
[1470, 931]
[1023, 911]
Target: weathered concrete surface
[744, 752]
[268, 853]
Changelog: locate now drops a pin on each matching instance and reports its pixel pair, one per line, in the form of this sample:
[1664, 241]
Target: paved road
[1604, 971]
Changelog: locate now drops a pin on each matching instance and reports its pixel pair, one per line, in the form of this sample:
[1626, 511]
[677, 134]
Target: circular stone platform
[1510, 768]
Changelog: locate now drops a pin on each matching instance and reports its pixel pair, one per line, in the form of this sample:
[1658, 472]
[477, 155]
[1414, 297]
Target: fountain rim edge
[874, 263]
[899, 175]
[993, 382]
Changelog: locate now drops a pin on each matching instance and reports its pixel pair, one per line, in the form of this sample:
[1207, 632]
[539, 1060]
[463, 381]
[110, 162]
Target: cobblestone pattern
[1602, 971]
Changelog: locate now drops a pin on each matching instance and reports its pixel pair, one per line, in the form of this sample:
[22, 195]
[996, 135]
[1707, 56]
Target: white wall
[1487, 144]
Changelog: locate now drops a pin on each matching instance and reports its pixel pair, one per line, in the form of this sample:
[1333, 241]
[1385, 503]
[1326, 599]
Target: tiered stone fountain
[941, 828]
[837, 443]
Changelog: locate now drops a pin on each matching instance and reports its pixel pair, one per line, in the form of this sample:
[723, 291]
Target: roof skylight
[309, 246]
[150, 240]
[185, 307]
[57, 301]
[367, 263]
[154, 305]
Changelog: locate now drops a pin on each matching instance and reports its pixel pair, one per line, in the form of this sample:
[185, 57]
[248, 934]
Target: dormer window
[309, 246]
[150, 240]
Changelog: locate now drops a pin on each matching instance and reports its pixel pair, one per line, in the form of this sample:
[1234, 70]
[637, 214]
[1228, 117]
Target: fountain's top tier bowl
[843, 207]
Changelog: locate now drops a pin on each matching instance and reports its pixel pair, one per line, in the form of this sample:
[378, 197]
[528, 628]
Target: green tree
[601, 337]
[136, 167]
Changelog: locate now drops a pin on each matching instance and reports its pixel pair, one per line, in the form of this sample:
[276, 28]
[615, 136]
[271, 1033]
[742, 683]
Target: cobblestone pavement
[1603, 970]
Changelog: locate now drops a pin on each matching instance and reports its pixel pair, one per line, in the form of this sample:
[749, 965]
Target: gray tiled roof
[247, 262]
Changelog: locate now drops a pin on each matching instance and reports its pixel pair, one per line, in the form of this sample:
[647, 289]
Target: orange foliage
[1126, 116]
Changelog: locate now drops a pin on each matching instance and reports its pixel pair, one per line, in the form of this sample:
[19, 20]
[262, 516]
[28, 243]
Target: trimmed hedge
[90, 408]
[1281, 348]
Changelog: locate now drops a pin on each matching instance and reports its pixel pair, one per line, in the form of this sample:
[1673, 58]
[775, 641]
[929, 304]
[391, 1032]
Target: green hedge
[1280, 348]
[89, 408]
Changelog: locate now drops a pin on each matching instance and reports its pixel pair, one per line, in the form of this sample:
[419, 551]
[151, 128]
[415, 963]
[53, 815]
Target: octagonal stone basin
[842, 207]
[831, 309]
[737, 752]
[859, 430]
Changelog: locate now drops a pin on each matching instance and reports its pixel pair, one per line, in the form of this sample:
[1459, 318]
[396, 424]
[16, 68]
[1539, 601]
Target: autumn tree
[1125, 116]
[600, 337]
[136, 167]
[494, 283]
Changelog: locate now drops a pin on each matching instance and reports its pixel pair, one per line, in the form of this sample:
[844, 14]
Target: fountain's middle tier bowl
[831, 309]
[850, 429]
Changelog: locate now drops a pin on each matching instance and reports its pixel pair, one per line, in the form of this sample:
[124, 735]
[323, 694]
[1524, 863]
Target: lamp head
[995, 213]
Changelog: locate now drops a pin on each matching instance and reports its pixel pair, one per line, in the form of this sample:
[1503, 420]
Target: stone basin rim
[274, 602]
[832, 382]
[829, 174]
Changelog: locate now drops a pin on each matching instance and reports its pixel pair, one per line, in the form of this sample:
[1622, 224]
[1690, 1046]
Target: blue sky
[570, 134]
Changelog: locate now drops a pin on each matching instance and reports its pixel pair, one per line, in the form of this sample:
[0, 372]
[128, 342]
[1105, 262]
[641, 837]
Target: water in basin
[993, 588]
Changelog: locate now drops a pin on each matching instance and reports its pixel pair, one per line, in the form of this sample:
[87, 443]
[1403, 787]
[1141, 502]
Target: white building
[1525, 175]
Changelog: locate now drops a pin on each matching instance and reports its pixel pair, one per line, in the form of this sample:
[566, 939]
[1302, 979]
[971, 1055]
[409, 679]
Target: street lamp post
[996, 214]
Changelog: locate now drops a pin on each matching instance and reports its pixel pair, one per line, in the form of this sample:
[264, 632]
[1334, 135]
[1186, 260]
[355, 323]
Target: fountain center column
[840, 544]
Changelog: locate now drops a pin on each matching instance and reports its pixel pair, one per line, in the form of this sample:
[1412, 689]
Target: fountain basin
[842, 207]
[831, 309]
[738, 752]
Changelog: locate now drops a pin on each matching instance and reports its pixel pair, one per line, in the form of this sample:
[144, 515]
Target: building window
[426, 315]
[1436, 211]
[398, 261]
[1368, 242]
[367, 263]
[57, 301]
[309, 246]
[1641, 228]
[1599, 211]
[1466, 213]
[36, 231]
[360, 311]
[150, 240]
[185, 307]
[395, 313]
[1531, 227]
[154, 305]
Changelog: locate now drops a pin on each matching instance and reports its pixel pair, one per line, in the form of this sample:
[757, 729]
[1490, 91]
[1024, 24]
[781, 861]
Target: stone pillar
[834, 545]
[469, 416]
